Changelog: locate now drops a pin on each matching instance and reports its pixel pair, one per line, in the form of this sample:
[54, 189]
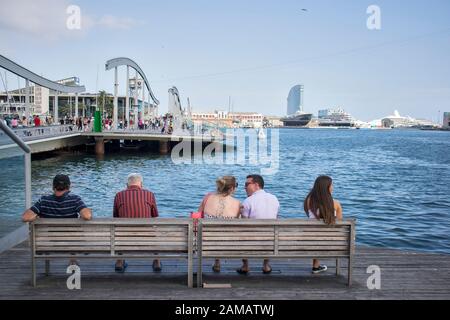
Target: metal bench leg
[47, 267]
[338, 267]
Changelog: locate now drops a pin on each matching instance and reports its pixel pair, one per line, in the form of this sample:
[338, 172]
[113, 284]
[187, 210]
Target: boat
[336, 118]
[300, 119]
[261, 134]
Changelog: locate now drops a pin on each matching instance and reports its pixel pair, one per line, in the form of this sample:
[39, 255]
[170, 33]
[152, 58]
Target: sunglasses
[248, 183]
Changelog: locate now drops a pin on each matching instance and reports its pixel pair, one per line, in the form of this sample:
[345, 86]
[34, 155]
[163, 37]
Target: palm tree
[106, 103]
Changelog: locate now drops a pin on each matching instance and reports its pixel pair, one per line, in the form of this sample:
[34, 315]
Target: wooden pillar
[99, 146]
[164, 147]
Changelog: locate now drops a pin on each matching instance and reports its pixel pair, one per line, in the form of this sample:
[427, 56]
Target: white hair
[134, 178]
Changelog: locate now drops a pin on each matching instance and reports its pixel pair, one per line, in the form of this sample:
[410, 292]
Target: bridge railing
[42, 132]
[15, 188]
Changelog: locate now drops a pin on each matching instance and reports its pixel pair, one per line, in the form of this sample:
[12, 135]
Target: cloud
[47, 19]
[43, 18]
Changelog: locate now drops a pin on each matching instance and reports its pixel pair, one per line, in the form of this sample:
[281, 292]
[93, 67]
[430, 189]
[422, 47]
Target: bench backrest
[282, 238]
[111, 236]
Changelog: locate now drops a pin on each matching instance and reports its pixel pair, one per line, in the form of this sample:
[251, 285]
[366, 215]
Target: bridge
[32, 77]
[117, 62]
[50, 138]
[28, 75]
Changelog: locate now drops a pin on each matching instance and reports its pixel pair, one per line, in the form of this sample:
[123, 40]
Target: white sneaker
[321, 268]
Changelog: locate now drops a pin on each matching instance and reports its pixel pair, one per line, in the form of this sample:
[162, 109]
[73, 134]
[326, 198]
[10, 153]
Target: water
[395, 183]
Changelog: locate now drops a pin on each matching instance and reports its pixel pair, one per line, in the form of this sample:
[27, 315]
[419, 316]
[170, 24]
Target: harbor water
[396, 183]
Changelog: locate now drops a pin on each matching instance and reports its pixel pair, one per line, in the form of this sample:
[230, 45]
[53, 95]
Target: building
[295, 99]
[398, 121]
[273, 122]
[230, 119]
[446, 124]
[42, 101]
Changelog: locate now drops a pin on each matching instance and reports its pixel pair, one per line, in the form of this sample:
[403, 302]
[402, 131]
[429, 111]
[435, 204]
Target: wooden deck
[404, 275]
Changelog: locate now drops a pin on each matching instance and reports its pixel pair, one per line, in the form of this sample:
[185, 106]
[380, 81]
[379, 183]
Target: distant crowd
[162, 124]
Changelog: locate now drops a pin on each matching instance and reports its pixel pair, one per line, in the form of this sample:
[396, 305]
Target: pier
[51, 138]
[404, 275]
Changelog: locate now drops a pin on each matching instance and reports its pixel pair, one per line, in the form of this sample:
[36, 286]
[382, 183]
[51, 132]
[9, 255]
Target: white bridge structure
[30, 76]
[114, 64]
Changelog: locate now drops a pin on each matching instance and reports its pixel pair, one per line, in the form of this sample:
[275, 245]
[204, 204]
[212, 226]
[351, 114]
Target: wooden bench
[276, 239]
[111, 239]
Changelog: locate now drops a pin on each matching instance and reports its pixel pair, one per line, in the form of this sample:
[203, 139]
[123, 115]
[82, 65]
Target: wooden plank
[158, 228]
[238, 243]
[151, 234]
[312, 238]
[114, 221]
[71, 243]
[72, 238]
[238, 238]
[312, 247]
[312, 243]
[271, 222]
[152, 248]
[276, 240]
[190, 256]
[234, 248]
[73, 234]
[217, 285]
[52, 229]
[247, 230]
[281, 255]
[304, 229]
[70, 248]
[220, 253]
[150, 243]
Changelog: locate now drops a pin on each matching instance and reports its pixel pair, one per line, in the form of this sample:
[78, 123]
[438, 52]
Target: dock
[404, 275]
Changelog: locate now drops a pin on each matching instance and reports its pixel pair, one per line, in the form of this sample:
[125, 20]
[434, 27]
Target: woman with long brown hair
[320, 205]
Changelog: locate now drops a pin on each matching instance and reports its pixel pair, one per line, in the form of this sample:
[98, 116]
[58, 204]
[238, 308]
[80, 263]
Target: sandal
[242, 271]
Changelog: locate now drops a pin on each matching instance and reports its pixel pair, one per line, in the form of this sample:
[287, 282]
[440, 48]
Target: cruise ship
[335, 118]
[296, 116]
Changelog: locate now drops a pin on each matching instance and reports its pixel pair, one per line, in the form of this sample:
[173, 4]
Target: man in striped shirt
[135, 202]
[61, 204]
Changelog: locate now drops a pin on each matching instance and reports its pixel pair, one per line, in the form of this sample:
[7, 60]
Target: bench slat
[151, 248]
[71, 248]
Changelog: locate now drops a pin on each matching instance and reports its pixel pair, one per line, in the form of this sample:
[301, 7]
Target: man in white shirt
[259, 205]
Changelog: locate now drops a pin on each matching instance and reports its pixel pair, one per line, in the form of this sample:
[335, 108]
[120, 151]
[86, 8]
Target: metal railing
[26, 149]
[21, 233]
[42, 132]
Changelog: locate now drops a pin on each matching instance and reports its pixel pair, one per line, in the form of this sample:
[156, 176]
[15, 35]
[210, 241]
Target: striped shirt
[68, 205]
[135, 202]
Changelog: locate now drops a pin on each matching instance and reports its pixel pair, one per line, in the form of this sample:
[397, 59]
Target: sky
[251, 51]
